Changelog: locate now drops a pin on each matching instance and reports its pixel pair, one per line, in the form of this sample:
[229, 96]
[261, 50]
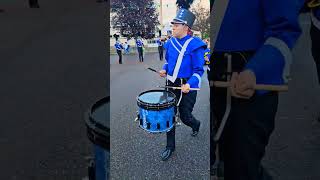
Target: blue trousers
[102, 163]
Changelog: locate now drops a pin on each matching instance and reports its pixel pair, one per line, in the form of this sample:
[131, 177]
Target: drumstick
[280, 88]
[151, 69]
[173, 87]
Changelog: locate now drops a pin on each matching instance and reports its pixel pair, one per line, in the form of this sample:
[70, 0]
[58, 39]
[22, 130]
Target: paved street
[52, 68]
[293, 152]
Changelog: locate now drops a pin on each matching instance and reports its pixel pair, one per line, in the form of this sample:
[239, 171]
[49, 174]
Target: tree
[202, 22]
[134, 18]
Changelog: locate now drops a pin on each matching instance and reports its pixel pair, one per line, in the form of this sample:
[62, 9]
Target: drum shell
[97, 132]
[156, 115]
[159, 120]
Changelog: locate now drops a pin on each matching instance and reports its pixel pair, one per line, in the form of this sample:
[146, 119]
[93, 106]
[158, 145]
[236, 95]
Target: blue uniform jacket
[160, 43]
[192, 61]
[269, 27]
[139, 43]
[118, 46]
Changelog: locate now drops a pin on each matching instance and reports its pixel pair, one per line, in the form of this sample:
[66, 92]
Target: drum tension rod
[138, 117]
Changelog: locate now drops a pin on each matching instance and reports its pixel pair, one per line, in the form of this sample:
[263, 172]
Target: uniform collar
[184, 38]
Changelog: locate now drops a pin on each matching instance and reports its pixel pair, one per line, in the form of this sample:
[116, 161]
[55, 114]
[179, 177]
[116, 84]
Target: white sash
[179, 61]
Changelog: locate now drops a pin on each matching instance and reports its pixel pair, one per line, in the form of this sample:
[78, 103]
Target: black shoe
[195, 131]
[166, 154]
[1, 10]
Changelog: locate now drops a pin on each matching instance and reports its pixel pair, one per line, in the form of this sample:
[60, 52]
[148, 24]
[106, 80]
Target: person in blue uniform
[160, 48]
[165, 44]
[119, 48]
[314, 5]
[207, 54]
[260, 49]
[184, 67]
[140, 45]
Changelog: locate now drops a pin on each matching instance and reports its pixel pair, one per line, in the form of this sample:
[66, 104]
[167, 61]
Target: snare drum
[97, 120]
[98, 123]
[156, 110]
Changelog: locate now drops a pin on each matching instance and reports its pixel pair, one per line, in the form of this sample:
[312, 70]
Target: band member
[260, 53]
[160, 48]
[140, 45]
[184, 67]
[119, 48]
[207, 54]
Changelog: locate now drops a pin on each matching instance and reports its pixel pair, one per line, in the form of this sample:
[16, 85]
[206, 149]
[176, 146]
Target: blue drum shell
[156, 110]
[157, 121]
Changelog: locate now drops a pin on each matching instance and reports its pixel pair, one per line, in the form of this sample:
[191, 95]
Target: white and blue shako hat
[184, 16]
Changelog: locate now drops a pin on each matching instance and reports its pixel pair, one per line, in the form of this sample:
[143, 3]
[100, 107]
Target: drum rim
[98, 103]
[153, 105]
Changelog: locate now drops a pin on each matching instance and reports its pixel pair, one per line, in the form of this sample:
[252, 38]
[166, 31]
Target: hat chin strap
[185, 22]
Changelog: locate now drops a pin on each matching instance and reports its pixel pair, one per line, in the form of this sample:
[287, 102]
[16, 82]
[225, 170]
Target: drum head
[98, 123]
[156, 99]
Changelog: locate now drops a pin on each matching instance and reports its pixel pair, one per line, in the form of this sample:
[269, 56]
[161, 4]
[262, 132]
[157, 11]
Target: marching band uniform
[119, 48]
[207, 54]
[140, 49]
[261, 44]
[160, 48]
[185, 62]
